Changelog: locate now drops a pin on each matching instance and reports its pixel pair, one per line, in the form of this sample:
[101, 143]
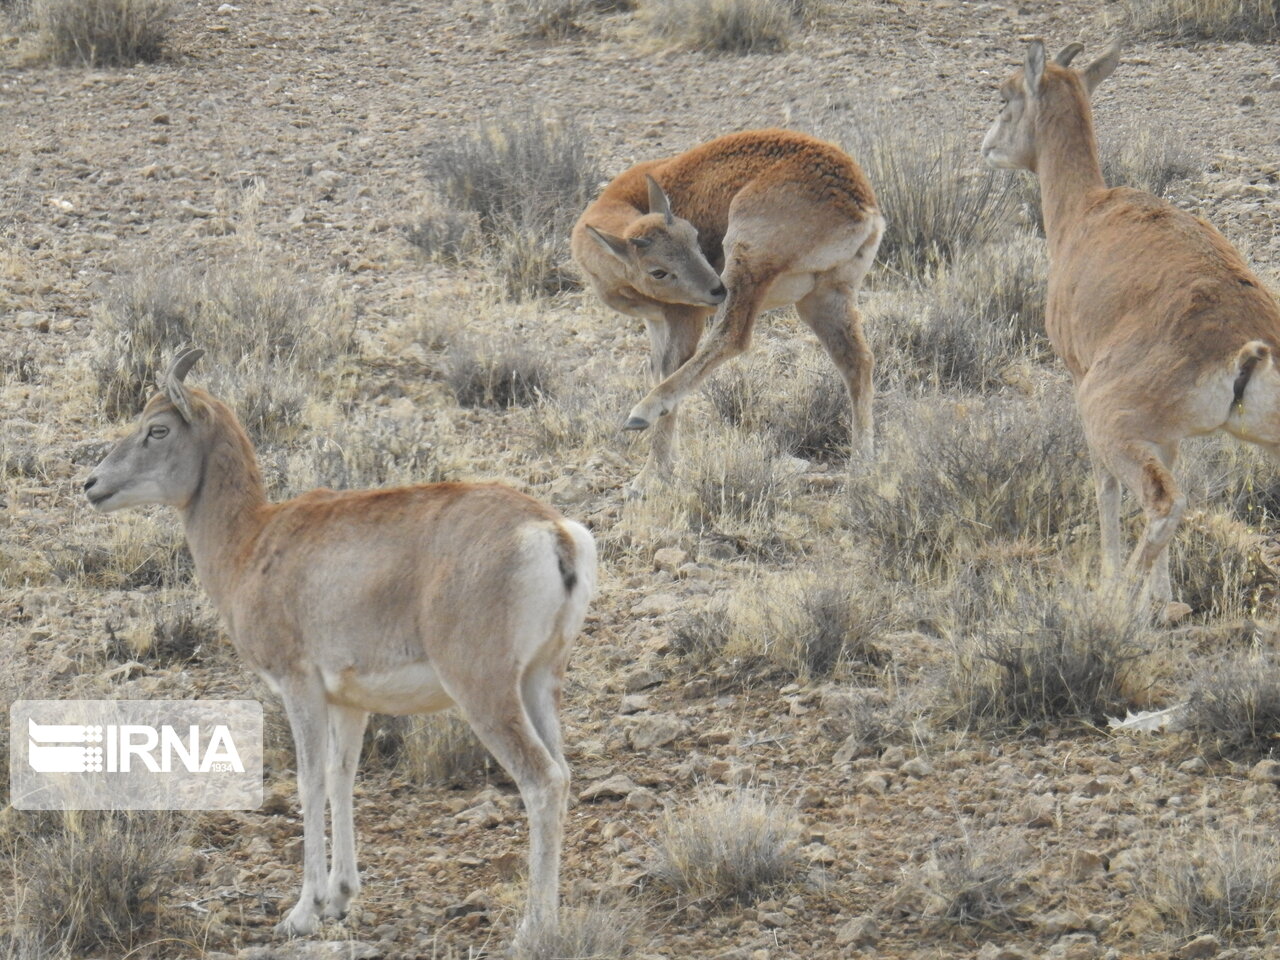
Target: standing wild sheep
[780, 216]
[408, 600]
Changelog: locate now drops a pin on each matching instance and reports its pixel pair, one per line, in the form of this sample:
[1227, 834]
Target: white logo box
[135, 754]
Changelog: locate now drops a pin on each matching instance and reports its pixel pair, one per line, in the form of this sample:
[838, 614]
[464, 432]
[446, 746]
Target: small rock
[656, 605]
[821, 853]
[1266, 771]
[917, 767]
[1194, 765]
[615, 787]
[640, 678]
[1085, 863]
[877, 782]
[485, 815]
[991, 951]
[648, 732]
[893, 757]
[1201, 948]
[774, 919]
[859, 932]
[226, 10]
[634, 703]
[161, 118]
[642, 800]
[1056, 924]
[314, 950]
[669, 559]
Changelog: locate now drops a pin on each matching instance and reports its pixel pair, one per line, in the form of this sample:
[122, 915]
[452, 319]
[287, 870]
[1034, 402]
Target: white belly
[787, 289]
[413, 688]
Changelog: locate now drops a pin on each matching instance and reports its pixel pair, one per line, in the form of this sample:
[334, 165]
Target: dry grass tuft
[445, 234]
[937, 202]
[438, 748]
[1077, 657]
[970, 881]
[104, 33]
[1206, 19]
[511, 375]
[526, 179]
[722, 26]
[1234, 706]
[735, 479]
[99, 880]
[591, 931]
[1221, 567]
[1214, 881]
[961, 477]
[267, 335]
[809, 624]
[726, 846]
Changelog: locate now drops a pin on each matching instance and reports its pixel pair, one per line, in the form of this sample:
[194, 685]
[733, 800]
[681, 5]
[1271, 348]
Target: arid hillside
[815, 712]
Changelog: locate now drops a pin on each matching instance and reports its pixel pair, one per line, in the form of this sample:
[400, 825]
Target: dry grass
[979, 323]
[174, 630]
[267, 335]
[591, 931]
[436, 749]
[937, 201]
[732, 481]
[809, 624]
[526, 180]
[1069, 656]
[1221, 567]
[445, 234]
[1206, 19]
[1215, 881]
[104, 33]
[99, 880]
[499, 376]
[726, 846]
[960, 478]
[976, 880]
[722, 26]
[1234, 706]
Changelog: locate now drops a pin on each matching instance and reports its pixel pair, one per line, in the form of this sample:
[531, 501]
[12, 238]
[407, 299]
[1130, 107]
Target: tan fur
[406, 600]
[785, 217]
[1166, 331]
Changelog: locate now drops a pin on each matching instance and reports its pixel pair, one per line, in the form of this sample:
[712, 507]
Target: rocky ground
[295, 135]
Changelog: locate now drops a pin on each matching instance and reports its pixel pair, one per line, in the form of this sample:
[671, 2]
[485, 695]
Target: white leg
[346, 732]
[1109, 494]
[305, 704]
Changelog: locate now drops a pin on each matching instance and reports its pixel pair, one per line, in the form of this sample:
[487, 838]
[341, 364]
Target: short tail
[1246, 359]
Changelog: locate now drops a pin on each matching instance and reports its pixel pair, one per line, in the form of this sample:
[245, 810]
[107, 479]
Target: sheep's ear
[174, 388]
[1101, 68]
[658, 202]
[1033, 68]
[615, 245]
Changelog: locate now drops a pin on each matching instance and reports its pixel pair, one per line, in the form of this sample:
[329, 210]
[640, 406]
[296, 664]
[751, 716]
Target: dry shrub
[508, 375]
[526, 179]
[1226, 883]
[971, 881]
[366, 450]
[1221, 567]
[1234, 706]
[590, 931]
[104, 33]
[809, 624]
[99, 880]
[722, 26]
[733, 480]
[937, 201]
[141, 549]
[1074, 657]
[444, 233]
[438, 748]
[726, 846]
[551, 19]
[1206, 19]
[1238, 478]
[268, 336]
[982, 316]
[176, 630]
[959, 477]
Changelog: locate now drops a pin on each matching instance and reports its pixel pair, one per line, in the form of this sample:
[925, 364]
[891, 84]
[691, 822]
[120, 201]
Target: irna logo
[135, 754]
[117, 748]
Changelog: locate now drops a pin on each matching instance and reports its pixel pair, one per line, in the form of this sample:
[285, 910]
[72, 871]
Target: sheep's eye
[158, 432]
[658, 274]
